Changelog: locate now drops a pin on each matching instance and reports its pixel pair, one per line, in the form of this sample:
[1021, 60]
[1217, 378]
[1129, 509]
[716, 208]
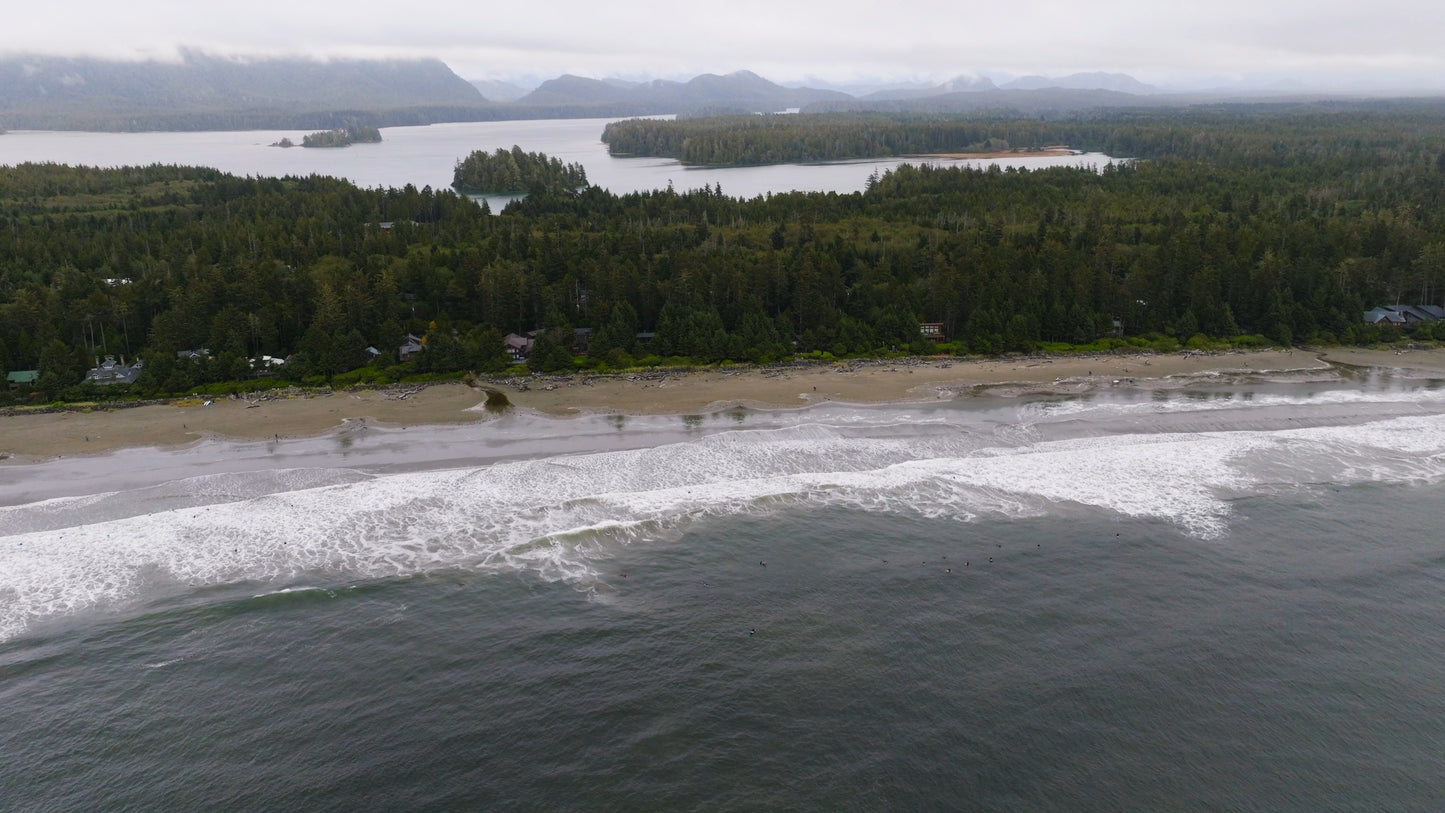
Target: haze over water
[1221, 597]
[425, 156]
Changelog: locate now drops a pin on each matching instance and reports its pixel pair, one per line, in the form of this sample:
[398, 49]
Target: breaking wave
[560, 517]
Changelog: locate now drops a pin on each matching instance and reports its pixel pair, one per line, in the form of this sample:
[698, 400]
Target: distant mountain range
[743, 91]
[1117, 82]
[201, 92]
[498, 91]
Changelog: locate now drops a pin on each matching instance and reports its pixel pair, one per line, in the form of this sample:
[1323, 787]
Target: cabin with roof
[111, 371]
[1402, 315]
[932, 331]
[518, 347]
[410, 346]
[22, 378]
[581, 339]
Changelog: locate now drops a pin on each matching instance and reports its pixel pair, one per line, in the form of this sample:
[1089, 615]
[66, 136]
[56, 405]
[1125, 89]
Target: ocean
[1224, 595]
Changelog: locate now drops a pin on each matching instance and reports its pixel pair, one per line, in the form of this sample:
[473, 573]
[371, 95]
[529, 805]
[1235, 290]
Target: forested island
[514, 171]
[774, 139]
[1232, 227]
[343, 136]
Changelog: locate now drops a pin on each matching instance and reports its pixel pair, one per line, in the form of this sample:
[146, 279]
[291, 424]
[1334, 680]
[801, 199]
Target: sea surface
[1228, 596]
[426, 155]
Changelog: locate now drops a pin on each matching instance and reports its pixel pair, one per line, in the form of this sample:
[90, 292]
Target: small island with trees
[342, 137]
[510, 172]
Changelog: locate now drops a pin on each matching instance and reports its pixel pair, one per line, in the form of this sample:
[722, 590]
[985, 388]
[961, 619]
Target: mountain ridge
[740, 89]
[36, 91]
[201, 92]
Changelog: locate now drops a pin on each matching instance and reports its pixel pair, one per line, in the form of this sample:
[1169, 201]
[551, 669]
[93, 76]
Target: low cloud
[783, 39]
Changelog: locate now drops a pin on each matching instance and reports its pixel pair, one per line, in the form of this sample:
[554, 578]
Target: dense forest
[1252, 226]
[1229, 133]
[343, 136]
[515, 171]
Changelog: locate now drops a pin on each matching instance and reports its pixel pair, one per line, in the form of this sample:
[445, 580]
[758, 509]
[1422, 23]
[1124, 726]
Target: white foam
[206, 489]
[1224, 400]
[559, 517]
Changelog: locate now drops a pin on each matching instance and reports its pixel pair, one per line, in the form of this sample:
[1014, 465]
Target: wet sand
[28, 438]
[1047, 152]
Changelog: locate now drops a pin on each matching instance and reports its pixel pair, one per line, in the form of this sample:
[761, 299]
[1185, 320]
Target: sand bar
[1047, 152]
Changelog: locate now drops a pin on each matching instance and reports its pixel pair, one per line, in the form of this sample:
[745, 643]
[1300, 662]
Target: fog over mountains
[201, 92]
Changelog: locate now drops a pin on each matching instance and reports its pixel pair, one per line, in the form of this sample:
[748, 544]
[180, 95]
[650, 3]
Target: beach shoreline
[1048, 152]
[97, 430]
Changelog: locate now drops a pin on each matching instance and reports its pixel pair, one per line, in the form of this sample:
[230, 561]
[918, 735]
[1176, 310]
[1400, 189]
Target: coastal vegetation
[342, 136]
[1243, 227]
[515, 171]
[1232, 135]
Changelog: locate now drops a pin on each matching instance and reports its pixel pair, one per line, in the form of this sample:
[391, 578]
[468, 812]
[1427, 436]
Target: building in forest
[20, 378]
[111, 371]
[518, 347]
[1402, 315]
[410, 346]
[932, 331]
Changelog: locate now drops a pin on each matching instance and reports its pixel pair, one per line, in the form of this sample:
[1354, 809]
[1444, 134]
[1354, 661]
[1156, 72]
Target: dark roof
[1414, 313]
[1400, 314]
[1377, 315]
[111, 371]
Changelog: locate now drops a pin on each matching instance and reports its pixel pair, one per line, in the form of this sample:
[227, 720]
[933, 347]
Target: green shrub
[426, 378]
[365, 375]
[1250, 341]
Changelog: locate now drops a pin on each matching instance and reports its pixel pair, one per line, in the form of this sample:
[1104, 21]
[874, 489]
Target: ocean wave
[561, 517]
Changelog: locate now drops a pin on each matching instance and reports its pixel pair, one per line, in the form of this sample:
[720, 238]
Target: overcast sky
[1386, 42]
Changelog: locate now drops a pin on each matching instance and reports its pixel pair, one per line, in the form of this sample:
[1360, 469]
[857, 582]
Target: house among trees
[581, 339]
[263, 364]
[198, 354]
[410, 346]
[932, 331]
[19, 378]
[112, 372]
[518, 347]
[1402, 315]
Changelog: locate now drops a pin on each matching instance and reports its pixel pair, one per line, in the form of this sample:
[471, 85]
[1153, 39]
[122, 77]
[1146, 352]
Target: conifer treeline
[1288, 227]
[515, 171]
[1243, 134]
[343, 136]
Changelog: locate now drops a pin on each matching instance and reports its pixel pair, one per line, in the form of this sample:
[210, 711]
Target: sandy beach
[31, 437]
[1047, 152]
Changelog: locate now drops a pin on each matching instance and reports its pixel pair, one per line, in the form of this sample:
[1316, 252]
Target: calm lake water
[425, 156]
[1224, 598]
